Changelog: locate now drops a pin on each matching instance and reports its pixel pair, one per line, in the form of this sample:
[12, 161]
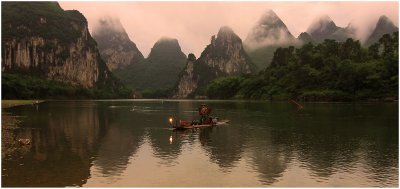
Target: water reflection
[163, 149]
[107, 143]
[125, 135]
[63, 140]
[119, 144]
[326, 147]
[382, 158]
[270, 155]
[224, 145]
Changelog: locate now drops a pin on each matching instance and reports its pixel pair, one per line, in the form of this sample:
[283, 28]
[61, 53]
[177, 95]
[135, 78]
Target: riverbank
[10, 123]
[12, 103]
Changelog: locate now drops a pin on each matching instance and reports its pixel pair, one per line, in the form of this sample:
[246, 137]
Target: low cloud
[193, 23]
[280, 37]
[107, 23]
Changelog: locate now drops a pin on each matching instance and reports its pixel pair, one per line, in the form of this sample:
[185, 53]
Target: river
[129, 143]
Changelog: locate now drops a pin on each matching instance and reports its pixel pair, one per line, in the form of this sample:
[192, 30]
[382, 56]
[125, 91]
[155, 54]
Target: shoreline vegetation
[327, 72]
[20, 86]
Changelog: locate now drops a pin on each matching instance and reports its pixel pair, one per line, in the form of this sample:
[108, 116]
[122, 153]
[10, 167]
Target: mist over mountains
[113, 53]
[194, 24]
[324, 28]
[267, 34]
[114, 44]
[384, 25]
[269, 30]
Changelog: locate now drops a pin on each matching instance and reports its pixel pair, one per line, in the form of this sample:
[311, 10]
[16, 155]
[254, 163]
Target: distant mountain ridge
[40, 39]
[322, 28]
[114, 44]
[325, 28]
[270, 33]
[304, 37]
[224, 56]
[166, 50]
[383, 26]
[269, 30]
[159, 71]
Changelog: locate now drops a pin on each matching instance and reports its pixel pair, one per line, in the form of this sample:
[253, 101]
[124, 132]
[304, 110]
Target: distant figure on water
[204, 112]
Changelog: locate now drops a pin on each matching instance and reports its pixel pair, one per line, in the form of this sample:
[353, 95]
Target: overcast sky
[193, 23]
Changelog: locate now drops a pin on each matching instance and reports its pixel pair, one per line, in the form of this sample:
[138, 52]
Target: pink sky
[193, 23]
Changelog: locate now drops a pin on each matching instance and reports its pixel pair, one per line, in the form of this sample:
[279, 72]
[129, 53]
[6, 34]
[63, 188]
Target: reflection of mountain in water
[269, 155]
[122, 140]
[313, 138]
[223, 145]
[327, 148]
[63, 141]
[119, 144]
[382, 155]
[162, 148]
[73, 141]
[159, 137]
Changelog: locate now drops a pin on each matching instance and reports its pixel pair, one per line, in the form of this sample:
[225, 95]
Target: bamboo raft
[176, 127]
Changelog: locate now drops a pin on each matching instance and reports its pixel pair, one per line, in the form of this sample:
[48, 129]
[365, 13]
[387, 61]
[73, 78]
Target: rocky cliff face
[114, 44]
[225, 56]
[74, 63]
[188, 79]
[41, 39]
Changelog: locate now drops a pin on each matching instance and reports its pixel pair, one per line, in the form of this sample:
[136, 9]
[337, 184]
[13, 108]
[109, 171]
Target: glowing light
[170, 120]
[170, 139]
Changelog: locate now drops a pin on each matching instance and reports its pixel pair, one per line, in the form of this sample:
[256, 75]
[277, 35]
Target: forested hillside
[328, 71]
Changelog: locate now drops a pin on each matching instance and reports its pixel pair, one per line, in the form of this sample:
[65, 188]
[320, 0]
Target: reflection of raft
[189, 126]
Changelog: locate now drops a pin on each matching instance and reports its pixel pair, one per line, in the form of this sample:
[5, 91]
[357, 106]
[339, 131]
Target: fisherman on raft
[205, 118]
[204, 113]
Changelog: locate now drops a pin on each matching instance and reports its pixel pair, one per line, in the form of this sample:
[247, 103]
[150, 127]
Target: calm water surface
[127, 144]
